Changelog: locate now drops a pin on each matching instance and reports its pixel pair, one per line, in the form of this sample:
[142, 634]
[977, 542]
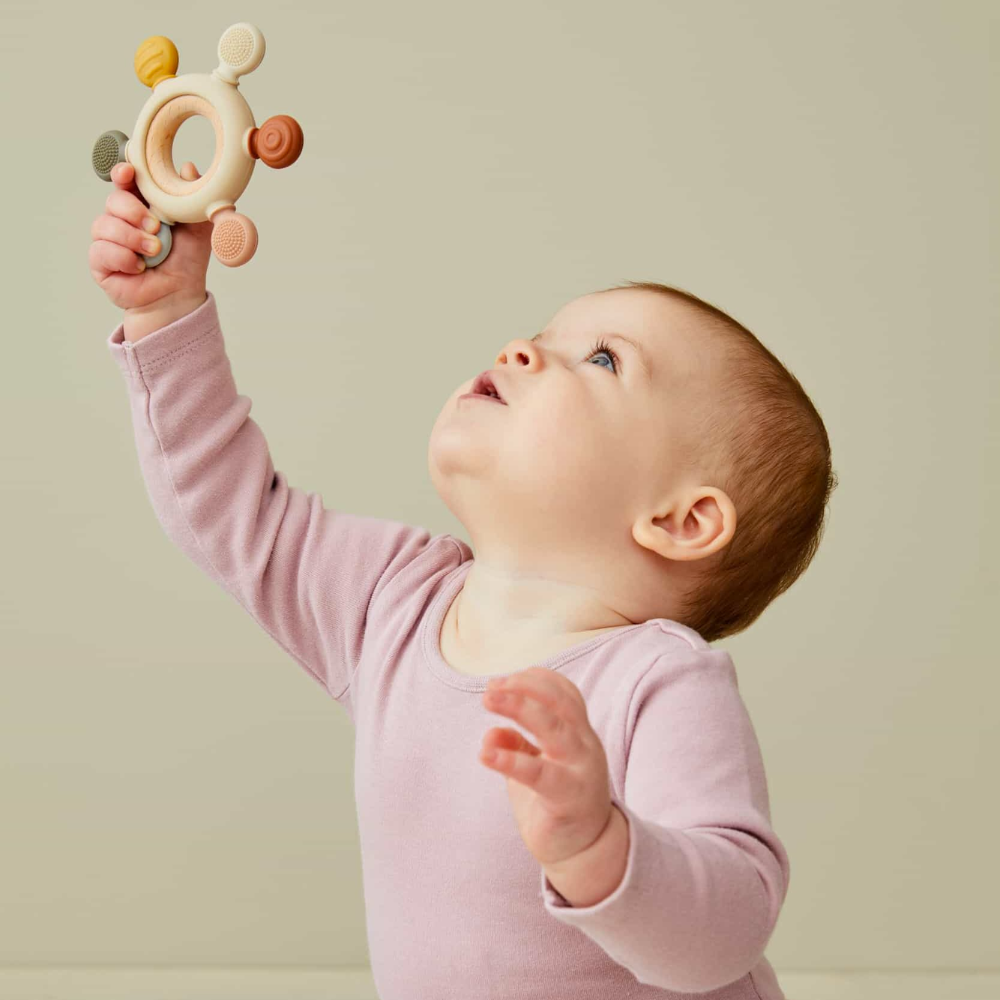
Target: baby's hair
[768, 449]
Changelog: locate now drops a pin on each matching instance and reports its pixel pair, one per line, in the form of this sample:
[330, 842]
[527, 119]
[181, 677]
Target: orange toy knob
[278, 142]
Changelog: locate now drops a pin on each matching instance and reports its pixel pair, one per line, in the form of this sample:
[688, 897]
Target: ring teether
[238, 142]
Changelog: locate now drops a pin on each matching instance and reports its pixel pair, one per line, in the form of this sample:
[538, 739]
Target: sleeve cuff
[555, 901]
[161, 344]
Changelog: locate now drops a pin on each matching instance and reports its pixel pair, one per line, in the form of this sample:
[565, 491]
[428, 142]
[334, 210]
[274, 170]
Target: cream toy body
[238, 142]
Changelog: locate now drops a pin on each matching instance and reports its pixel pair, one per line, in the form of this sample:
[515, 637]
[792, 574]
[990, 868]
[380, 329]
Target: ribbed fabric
[456, 907]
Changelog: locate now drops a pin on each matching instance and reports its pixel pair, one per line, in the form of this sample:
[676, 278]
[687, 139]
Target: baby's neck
[501, 658]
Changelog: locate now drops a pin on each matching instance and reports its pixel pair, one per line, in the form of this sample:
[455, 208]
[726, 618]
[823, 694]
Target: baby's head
[651, 450]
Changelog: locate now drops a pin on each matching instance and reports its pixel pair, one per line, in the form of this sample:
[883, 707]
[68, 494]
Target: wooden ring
[160, 143]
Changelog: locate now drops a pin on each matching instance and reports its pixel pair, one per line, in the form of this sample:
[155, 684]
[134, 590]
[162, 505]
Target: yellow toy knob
[155, 60]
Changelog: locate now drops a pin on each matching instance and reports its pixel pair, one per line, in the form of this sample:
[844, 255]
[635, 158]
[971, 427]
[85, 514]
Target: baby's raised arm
[307, 574]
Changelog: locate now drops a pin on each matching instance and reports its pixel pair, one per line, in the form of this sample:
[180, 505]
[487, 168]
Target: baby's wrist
[143, 320]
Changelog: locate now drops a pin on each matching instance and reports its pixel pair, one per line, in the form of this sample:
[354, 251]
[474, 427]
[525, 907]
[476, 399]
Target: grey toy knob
[108, 150]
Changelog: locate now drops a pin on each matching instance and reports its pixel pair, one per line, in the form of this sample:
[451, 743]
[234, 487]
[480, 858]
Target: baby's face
[557, 478]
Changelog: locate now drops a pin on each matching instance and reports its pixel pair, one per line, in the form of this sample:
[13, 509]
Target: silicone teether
[238, 142]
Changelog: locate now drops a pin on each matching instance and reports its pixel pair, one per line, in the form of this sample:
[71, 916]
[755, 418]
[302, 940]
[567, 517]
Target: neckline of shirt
[431, 638]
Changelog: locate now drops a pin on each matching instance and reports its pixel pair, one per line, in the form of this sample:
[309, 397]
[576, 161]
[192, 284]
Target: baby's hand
[561, 791]
[118, 241]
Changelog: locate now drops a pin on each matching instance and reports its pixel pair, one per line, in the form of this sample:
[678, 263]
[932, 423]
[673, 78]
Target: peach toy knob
[238, 142]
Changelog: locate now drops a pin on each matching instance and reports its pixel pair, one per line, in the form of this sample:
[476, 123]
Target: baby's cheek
[572, 457]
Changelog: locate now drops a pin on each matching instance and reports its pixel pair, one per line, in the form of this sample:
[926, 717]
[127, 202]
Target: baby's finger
[110, 227]
[123, 176]
[106, 258]
[128, 207]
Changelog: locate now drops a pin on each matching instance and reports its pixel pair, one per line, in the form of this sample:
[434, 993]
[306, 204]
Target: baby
[639, 479]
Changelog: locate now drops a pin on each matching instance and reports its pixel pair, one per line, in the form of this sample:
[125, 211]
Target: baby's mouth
[484, 386]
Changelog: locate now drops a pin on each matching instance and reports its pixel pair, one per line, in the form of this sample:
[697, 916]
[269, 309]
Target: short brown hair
[776, 468]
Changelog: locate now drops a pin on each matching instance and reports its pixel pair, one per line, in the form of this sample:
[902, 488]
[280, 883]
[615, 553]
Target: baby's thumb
[190, 172]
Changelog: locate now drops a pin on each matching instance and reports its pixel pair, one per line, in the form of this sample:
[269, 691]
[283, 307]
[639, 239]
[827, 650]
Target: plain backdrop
[174, 790]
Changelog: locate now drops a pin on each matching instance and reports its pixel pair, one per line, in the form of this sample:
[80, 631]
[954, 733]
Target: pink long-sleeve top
[456, 907]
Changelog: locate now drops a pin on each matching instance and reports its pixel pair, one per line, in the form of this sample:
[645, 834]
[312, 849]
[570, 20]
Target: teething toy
[238, 142]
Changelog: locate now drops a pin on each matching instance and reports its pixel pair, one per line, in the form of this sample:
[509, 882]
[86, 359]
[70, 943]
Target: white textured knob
[241, 48]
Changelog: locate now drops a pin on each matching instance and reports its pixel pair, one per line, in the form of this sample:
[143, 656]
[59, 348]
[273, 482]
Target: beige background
[175, 791]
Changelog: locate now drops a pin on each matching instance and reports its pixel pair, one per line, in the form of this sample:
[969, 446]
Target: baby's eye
[602, 348]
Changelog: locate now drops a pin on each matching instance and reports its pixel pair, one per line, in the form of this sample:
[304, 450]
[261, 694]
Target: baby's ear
[693, 524]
